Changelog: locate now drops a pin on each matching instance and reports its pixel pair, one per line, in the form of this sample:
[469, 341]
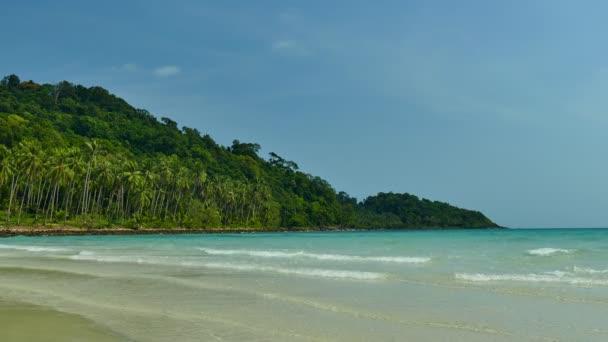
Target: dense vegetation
[82, 156]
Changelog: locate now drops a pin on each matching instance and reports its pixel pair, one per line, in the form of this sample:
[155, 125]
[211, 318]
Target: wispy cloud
[167, 70]
[290, 46]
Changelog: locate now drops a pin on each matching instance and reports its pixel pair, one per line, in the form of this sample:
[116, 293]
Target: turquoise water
[469, 285]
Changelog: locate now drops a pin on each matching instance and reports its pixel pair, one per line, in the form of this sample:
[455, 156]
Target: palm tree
[200, 177]
[29, 163]
[151, 180]
[183, 183]
[60, 172]
[75, 165]
[167, 181]
[104, 179]
[7, 171]
[132, 180]
[92, 150]
[6, 167]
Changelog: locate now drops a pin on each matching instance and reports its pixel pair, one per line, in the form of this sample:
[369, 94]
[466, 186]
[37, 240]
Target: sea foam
[328, 257]
[167, 261]
[587, 270]
[131, 259]
[547, 251]
[312, 272]
[549, 277]
[33, 248]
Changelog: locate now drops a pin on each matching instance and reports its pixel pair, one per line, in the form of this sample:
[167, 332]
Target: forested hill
[84, 157]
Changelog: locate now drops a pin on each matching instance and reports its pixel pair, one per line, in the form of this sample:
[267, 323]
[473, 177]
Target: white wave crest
[559, 273]
[171, 261]
[302, 254]
[531, 278]
[589, 270]
[312, 272]
[133, 259]
[546, 251]
[33, 248]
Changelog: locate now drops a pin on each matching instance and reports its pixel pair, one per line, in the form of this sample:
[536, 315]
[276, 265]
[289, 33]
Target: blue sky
[499, 106]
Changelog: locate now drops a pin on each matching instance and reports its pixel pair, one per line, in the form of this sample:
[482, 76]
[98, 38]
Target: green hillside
[84, 157]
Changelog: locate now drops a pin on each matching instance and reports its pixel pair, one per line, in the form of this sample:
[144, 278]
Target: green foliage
[389, 210]
[82, 156]
[11, 81]
[245, 149]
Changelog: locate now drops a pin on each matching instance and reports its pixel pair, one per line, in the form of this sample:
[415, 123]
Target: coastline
[75, 231]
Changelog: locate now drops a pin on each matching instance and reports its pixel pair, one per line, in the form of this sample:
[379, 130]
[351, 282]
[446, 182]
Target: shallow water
[470, 285]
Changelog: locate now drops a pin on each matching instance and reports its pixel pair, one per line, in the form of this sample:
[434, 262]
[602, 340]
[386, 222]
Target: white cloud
[290, 46]
[167, 70]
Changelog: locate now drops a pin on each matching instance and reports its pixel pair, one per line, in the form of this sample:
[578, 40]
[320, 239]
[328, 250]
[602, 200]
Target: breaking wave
[549, 277]
[589, 270]
[312, 272]
[168, 261]
[549, 251]
[132, 259]
[33, 248]
[302, 254]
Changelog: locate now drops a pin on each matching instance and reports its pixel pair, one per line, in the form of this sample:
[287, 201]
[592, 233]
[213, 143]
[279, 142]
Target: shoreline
[75, 231]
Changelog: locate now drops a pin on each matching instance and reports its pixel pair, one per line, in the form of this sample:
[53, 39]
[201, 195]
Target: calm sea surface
[468, 285]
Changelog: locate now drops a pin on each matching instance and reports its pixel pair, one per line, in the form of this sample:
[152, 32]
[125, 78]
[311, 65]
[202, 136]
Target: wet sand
[24, 322]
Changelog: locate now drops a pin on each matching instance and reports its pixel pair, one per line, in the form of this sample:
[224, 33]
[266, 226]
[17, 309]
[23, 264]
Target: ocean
[435, 285]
